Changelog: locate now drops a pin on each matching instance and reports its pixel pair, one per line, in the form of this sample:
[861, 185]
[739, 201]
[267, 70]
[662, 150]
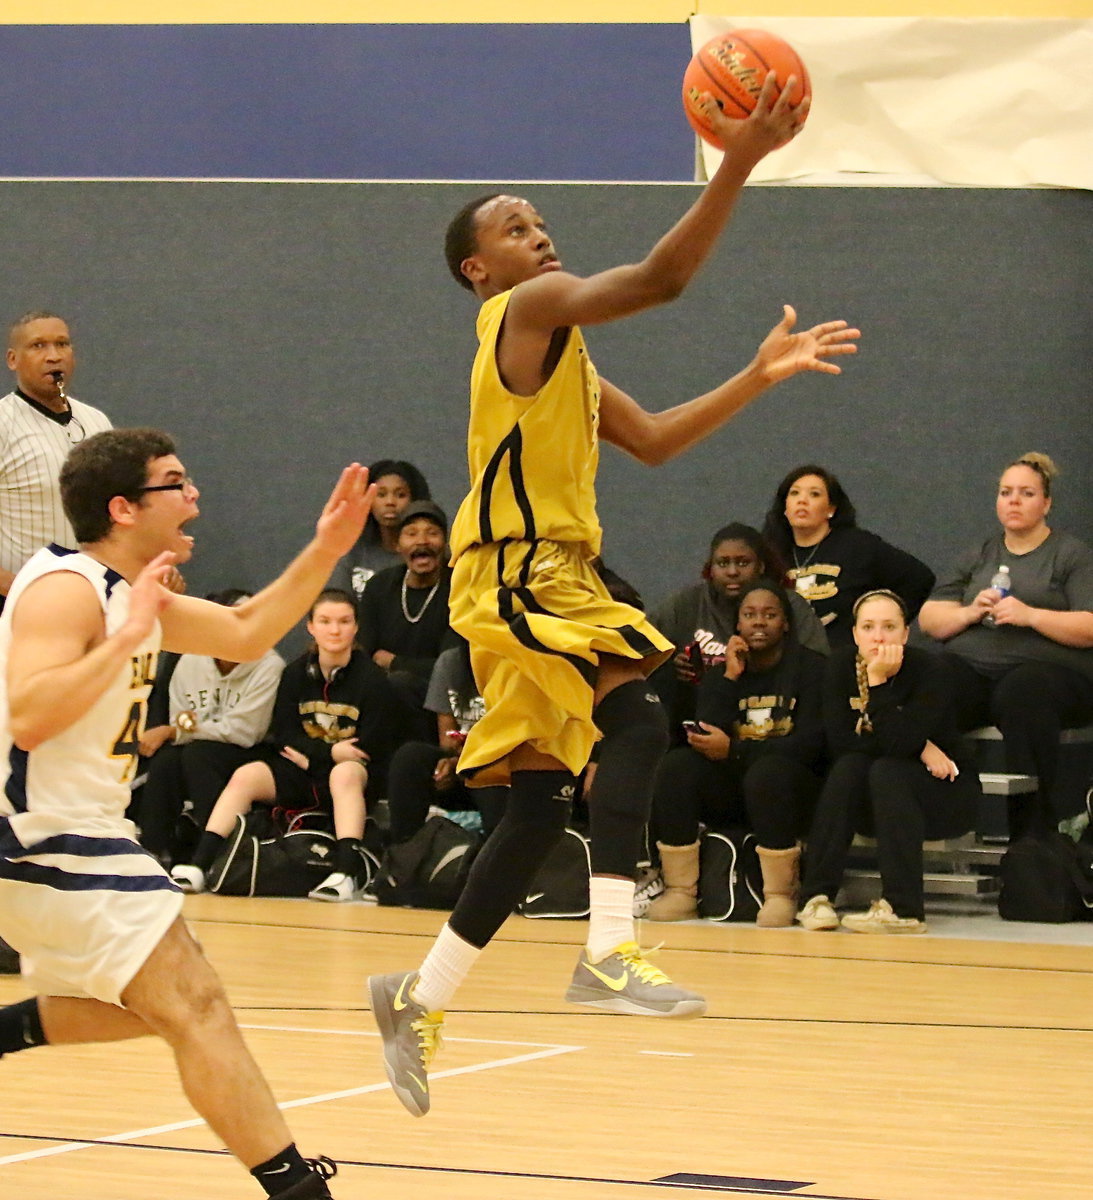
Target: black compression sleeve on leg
[21, 1026]
[538, 807]
[635, 738]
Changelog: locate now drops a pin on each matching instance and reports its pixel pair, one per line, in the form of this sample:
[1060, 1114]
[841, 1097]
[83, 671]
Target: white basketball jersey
[80, 778]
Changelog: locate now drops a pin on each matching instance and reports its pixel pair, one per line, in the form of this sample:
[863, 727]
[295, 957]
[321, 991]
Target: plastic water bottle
[1000, 582]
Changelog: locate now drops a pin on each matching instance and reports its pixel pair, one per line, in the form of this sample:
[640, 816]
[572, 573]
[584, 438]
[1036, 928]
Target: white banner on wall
[992, 103]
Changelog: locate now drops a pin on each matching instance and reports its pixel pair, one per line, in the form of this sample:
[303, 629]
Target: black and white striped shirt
[33, 446]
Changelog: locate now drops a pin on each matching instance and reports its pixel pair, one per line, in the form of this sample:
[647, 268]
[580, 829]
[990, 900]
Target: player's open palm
[785, 353]
[772, 123]
[344, 514]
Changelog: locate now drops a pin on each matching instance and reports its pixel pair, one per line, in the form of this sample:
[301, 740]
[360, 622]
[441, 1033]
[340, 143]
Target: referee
[39, 424]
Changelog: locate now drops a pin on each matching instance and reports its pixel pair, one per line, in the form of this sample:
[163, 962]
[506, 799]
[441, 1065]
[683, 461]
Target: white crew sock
[611, 919]
[444, 969]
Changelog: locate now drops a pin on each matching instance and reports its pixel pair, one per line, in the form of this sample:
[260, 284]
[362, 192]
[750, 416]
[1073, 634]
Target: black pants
[1031, 704]
[897, 801]
[411, 792]
[195, 771]
[773, 796]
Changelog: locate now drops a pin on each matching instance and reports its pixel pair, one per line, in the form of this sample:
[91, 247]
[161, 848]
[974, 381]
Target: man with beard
[404, 613]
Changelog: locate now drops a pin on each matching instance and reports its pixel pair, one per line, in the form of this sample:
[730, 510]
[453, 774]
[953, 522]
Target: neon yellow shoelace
[428, 1030]
[642, 968]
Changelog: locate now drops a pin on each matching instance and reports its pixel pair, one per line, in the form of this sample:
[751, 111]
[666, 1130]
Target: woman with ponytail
[898, 773]
[1022, 657]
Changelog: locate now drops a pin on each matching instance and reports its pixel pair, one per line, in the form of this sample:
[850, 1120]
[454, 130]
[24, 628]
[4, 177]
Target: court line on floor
[677, 1183]
[545, 1050]
[501, 939]
[725, 1019]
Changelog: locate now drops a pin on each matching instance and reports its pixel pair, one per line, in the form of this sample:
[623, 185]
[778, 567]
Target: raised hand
[772, 123]
[785, 353]
[344, 514]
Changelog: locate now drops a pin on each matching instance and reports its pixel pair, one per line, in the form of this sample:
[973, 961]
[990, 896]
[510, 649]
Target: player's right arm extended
[555, 300]
[59, 662]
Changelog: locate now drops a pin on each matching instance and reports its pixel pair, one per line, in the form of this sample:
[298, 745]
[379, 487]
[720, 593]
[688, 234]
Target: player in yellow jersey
[559, 663]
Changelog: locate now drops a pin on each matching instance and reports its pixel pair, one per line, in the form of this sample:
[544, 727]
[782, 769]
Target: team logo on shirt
[817, 582]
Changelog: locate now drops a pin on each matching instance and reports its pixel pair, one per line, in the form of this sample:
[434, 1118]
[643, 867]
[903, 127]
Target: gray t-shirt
[452, 690]
[1057, 575]
[362, 562]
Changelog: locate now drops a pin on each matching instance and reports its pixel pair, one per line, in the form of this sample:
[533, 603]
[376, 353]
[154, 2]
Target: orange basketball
[732, 68]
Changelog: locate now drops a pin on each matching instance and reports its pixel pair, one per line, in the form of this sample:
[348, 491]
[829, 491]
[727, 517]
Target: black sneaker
[314, 1186]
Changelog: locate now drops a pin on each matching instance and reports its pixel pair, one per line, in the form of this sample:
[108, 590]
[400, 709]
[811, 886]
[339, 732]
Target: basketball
[732, 68]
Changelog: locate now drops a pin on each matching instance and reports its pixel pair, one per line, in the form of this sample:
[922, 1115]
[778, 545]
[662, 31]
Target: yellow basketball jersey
[532, 459]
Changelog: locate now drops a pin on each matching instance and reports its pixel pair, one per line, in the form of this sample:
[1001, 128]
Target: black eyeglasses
[181, 486]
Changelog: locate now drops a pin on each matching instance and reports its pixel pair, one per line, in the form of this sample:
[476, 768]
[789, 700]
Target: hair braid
[861, 672]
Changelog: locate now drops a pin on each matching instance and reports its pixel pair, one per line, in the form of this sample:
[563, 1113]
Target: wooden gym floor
[829, 1065]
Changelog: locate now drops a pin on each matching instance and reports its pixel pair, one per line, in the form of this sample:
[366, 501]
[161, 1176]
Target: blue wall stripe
[580, 102]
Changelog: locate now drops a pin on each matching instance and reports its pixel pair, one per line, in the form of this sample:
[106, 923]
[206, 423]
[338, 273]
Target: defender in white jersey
[95, 918]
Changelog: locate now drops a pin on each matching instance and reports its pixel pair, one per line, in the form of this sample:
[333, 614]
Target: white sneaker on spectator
[818, 913]
[881, 919]
[335, 889]
[188, 878]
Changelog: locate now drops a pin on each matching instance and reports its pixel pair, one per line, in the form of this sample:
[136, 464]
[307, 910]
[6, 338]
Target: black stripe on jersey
[70, 881]
[635, 639]
[511, 444]
[112, 579]
[518, 624]
[16, 787]
[78, 845]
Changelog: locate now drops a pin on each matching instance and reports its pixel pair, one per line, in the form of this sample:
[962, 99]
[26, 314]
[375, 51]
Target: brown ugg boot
[779, 886]
[678, 901]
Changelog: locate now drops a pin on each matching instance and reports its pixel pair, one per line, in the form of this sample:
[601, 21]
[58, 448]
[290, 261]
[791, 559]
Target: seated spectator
[217, 711]
[404, 614]
[423, 774]
[397, 483]
[330, 733]
[701, 618]
[753, 757]
[1024, 660]
[831, 561]
[899, 772]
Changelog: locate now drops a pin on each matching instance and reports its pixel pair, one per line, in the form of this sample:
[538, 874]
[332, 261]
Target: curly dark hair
[108, 464]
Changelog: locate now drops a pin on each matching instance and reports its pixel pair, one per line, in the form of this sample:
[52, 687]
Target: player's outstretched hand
[785, 353]
[344, 514]
[772, 123]
[150, 594]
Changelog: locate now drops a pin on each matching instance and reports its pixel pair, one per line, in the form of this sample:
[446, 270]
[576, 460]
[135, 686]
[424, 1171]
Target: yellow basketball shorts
[538, 616]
